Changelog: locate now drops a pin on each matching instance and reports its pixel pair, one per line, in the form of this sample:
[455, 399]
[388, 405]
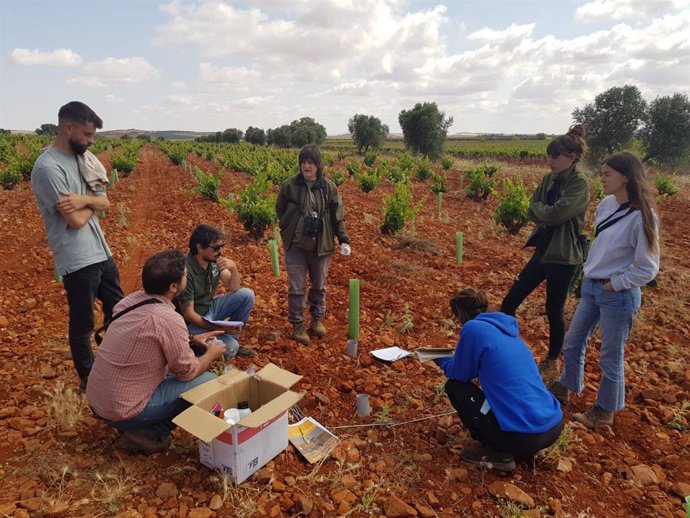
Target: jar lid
[243, 404]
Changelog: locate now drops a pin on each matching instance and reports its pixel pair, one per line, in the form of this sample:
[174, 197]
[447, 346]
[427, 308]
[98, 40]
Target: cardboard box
[242, 449]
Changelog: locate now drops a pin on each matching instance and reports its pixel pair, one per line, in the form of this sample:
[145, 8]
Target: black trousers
[83, 287]
[468, 398]
[558, 278]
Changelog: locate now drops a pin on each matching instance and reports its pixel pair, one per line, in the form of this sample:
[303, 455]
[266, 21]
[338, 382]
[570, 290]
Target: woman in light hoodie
[624, 256]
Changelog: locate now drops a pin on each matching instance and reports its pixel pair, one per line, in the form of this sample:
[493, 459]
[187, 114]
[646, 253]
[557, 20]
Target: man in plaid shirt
[145, 361]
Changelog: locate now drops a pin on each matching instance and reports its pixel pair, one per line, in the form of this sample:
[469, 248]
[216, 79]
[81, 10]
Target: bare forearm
[97, 203]
[78, 218]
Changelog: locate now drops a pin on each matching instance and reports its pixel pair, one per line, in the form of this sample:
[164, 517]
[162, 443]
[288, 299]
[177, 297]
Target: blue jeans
[155, 420]
[236, 306]
[614, 312]
[83, 287]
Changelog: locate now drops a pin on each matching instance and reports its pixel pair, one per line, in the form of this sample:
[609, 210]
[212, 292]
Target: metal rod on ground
[353, 313]
[458, 247]
[273, 245]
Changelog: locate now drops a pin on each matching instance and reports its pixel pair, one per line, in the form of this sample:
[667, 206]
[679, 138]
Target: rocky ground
[58, 460]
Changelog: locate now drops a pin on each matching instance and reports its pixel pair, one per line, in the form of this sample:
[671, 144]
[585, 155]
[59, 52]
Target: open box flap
[275, 374]
[201, 424]
[201, 392]
[271, 409]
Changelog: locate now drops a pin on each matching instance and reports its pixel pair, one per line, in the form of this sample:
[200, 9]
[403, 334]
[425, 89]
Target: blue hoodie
[490, 348]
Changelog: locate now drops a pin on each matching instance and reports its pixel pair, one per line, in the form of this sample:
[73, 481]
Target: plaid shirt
[138, 350]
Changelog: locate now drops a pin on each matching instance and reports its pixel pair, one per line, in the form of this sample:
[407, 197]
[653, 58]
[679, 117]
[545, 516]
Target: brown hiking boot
[136, 441]
[299, 333]
[548, 370]
[561, 393]
[317, 327]
[594, 418]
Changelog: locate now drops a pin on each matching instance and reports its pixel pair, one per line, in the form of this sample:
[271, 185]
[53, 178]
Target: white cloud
[115, 70]
[112, 99]
[604, 10]
[227, 77]
[54, 58]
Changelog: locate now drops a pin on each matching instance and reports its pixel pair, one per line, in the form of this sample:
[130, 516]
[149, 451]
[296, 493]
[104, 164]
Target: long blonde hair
[639, 191]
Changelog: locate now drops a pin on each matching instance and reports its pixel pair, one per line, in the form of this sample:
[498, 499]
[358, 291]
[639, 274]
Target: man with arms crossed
[206, 266]
[69, 209]
[145, 361]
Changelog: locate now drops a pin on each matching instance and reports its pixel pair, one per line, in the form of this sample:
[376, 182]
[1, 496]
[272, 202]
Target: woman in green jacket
[558, 208]
[311, 214]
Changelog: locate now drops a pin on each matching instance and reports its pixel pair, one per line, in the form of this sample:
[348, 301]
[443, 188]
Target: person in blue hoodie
[512, 415]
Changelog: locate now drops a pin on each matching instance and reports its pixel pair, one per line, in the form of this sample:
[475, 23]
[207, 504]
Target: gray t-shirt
[72, 249]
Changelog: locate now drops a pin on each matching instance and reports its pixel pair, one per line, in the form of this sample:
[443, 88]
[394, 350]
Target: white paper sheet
[390, 354]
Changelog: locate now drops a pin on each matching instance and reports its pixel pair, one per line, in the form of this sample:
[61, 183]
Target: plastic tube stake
[231, 199]
[58, 277]
[353, 312]
[440, 201]
[273, 245]
[687, 506]
[114, 178]
[458, 247]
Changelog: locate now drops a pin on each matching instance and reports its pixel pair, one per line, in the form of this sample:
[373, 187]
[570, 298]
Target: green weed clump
[338, 177]
[368, 180]
[398, 209]
[353, 167]
[370, 158]
[209, 184]
[439, 183]
[424, 169]
[512, 209]
[256, 206]
[481, 185]
[666, 185]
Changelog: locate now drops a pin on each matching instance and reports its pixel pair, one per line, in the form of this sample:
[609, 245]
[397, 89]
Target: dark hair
[639, 191]
[161, 270]
[572, 143]
[79, 113]
[311, 153]
[203, 235]
[468, 303]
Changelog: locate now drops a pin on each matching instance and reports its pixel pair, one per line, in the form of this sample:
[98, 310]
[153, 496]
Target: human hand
[345, 249]
[216, 348]
[203, 339]
[70, 203]
[224, 263]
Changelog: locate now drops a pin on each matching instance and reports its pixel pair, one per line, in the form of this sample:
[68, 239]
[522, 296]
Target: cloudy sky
[205, 65]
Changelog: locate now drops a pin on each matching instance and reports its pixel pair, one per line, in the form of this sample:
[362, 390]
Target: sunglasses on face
[215, 248]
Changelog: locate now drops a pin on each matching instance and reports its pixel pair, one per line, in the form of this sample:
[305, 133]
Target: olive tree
[666, 135]
[255, 136]
[612, 120]
[424, 129]
[367, 131]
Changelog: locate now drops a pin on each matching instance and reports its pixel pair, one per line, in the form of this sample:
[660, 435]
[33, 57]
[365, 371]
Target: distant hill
[168, 134]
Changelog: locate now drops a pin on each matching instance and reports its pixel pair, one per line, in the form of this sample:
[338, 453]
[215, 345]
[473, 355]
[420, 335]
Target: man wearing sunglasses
[206, 268]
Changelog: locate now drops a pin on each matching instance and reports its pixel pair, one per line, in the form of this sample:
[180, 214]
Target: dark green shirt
[201, 285]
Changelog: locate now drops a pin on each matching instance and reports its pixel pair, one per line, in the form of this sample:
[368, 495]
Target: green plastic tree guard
[440, 201]
[114, 178]
[58, 277]
[273, 245]
[353, 313]
[458, 247]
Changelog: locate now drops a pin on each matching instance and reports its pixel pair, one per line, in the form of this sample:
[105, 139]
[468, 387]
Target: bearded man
[69, 206]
